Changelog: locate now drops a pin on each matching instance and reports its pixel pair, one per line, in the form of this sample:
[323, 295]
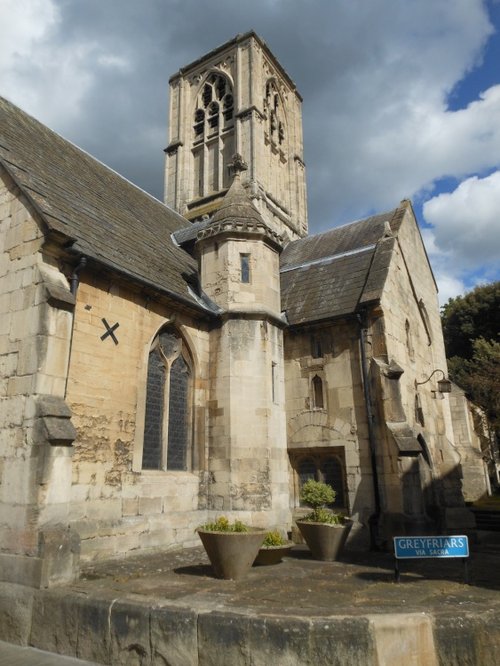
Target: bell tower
[237, 99]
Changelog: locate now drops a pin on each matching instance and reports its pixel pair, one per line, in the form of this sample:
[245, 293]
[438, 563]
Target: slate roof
[332, 274]
[99, 214]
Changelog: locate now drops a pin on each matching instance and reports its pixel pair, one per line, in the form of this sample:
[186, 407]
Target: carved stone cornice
[239, 228]
[248, 112]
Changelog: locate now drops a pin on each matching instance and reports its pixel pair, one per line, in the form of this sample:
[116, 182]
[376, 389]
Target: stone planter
[231, 554]
[324, 541]
[273, 554]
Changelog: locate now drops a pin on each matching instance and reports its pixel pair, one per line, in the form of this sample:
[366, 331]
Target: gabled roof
[332, 274]
[93, 210]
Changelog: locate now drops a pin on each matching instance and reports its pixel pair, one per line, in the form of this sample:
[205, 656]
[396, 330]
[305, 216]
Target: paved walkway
[14, 655]
[169, 609]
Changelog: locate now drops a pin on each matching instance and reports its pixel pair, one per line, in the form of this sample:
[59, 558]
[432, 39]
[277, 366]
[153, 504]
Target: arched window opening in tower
[213, 136]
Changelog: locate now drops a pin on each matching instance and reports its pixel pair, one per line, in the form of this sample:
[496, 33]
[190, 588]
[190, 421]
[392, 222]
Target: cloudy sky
[401, 100]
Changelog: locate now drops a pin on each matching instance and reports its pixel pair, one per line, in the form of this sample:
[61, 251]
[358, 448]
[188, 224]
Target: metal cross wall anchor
[110, 331]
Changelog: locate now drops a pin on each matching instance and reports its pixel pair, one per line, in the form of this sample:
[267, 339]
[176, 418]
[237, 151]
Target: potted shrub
[231, 547]
[324, 531]
[273, 549]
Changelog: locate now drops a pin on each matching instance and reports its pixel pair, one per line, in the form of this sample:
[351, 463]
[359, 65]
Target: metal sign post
[442, 547]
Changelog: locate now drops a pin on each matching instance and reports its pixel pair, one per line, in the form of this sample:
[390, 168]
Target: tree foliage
[471, 327]
[467, 318]
[480, 377]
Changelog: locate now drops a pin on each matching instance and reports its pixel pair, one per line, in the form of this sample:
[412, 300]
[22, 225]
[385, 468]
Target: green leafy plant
[317, 495]
[274, 538]
[222, 524]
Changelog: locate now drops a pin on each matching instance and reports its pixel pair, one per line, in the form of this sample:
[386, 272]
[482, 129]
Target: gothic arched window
[167, 439]
[213, 135]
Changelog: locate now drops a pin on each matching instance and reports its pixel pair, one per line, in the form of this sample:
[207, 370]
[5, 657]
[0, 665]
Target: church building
[165, 364]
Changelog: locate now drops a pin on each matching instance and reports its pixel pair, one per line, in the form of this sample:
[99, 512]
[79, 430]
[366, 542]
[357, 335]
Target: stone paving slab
[169, 609]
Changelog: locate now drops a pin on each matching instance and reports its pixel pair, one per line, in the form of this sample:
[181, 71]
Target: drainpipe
[374, 518]
[74, 281]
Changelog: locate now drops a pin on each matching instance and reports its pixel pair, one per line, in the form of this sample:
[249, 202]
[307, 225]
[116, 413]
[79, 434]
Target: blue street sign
[431, 546]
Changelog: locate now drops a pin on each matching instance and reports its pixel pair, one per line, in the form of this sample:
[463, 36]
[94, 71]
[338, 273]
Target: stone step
[487, 519]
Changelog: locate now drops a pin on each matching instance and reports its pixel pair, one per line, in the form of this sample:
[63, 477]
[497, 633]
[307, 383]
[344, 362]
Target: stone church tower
[237, 99]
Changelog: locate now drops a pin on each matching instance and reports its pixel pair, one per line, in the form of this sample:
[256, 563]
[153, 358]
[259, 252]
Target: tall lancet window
[275, 115]
[213, 135]
[167, 427]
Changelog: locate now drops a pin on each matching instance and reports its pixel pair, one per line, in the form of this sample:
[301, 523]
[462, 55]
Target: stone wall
[247, 454]
[220, 268]
[35, 428]
[409, 323]
[472, 440]
[340, 425]
[115, 505]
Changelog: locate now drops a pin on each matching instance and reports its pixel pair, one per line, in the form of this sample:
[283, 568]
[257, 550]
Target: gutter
[375, 517]
[74, 282]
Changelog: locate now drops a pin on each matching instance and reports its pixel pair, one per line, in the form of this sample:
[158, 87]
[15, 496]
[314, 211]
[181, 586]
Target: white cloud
[113, 62]
[448, 286]
[463, 242]
[44, 77]
[27, 21]
[466, 222]
[42, 72]
[392, 132]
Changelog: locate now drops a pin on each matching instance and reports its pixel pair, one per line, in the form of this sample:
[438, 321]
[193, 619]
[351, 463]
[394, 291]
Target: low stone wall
[124, 631]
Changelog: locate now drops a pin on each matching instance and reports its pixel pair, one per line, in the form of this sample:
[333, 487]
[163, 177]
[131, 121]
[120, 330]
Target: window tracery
[213, 135]
[167, 438]
[275, 118]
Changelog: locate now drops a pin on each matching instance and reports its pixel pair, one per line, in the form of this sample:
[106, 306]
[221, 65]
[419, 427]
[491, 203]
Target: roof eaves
[195, 304]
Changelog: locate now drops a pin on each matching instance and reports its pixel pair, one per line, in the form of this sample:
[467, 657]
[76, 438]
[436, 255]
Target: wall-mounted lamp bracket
[443, 385]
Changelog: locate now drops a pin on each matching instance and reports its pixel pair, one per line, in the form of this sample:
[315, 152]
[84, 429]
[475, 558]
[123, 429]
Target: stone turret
[239, 268]
[239, 254]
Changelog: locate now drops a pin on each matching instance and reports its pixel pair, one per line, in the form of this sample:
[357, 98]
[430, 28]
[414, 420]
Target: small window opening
[317, 386]
[245, 268]
[273, 381]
